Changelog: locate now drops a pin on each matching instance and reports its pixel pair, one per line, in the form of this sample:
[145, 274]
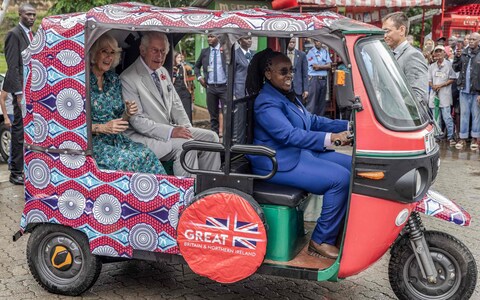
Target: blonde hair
[106, 40]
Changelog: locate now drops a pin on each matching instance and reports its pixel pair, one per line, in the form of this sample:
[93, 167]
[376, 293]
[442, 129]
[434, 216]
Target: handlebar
[339, 142]
[241, 149]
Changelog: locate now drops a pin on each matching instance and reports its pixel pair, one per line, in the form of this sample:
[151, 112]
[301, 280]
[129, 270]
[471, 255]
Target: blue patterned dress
[116, 151]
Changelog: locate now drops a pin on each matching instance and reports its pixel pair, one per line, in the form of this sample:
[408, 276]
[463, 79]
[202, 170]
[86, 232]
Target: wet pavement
[459, 179]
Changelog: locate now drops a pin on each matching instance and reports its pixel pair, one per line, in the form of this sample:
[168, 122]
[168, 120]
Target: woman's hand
[342, 137]
[114, 126]
[132, 108]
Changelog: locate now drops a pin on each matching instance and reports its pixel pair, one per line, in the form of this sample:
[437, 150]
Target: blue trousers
[469, 107]
[446, 114]
[326, 173]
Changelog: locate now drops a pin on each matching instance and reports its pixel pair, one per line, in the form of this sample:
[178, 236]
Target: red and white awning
[279, 4]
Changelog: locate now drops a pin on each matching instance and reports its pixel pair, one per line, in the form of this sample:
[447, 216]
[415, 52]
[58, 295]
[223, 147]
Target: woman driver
[300, 140]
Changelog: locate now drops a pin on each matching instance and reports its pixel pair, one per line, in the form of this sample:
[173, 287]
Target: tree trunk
[3, 10]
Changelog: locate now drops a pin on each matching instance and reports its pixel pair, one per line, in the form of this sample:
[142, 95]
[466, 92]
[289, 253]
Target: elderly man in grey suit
[161, 122]
[411, 61]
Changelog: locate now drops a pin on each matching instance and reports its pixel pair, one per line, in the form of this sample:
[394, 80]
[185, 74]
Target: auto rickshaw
[229, 224]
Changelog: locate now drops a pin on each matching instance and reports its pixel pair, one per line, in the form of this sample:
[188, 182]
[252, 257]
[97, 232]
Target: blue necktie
[156, 80]
[248, 56]
[215, 79]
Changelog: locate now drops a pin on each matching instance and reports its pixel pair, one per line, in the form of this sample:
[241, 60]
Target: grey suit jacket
[156, 115]
[413, 65]
[15, 42]
[241, 68]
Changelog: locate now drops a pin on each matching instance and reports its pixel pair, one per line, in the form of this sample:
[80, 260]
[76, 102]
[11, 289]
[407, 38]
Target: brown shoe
[324, 250]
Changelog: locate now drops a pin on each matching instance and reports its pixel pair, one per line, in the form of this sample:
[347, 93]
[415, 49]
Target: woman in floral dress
[111, 149]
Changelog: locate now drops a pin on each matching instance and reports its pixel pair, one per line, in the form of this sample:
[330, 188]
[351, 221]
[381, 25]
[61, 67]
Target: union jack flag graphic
[243, 233]
[217, 223]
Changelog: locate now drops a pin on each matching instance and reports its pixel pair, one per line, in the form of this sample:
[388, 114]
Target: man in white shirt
[16, 41]
[440, 78]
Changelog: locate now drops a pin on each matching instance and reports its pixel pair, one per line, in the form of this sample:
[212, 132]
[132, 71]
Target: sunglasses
[284, 71]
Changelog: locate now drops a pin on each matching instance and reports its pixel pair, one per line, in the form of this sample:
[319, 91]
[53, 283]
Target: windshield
[392, 100]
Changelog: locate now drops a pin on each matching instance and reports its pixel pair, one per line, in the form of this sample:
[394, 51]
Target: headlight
[418, 182]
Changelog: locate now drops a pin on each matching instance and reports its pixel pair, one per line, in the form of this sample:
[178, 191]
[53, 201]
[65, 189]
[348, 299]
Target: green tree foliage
[416, 29]
[70, 6]
[11, 20]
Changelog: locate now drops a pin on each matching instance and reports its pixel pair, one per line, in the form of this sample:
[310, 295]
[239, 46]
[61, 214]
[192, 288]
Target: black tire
[451, 258]
[244, 195]
[5, 138]
[75, 270]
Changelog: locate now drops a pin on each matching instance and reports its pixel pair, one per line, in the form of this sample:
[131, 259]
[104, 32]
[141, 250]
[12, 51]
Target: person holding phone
[113, 150]
[467, 62]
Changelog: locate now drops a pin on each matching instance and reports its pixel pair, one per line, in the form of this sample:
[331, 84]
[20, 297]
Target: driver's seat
[283, 205]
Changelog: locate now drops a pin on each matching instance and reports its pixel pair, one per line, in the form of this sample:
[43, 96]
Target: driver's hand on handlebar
[342, 138]
[115, 126]
[181, 132]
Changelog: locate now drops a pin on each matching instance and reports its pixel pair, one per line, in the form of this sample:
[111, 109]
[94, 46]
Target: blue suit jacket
[282, 126]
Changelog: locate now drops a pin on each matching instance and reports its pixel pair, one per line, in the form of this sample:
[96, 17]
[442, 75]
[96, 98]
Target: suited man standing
[16, 41]
[243, 56]
[213, 79]
[300, 70]
[411, 61]
[161, 122]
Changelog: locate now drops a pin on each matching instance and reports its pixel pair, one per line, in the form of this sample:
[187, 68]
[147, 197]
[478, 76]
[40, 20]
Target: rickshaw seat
[269, 193]
[263, 192]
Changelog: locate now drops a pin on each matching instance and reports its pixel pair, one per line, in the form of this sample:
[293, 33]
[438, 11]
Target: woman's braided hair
[260, 63]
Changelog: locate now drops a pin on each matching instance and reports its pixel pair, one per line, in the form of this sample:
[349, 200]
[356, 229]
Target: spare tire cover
[222, 237]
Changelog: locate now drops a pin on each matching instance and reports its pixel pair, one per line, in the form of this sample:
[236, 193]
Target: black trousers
[317, 93]
[16, 161]
[216, 97]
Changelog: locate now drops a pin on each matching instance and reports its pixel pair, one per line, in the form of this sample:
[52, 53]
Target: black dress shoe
[16, 179]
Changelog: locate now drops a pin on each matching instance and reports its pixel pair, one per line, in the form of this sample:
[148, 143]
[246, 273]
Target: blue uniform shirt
[319, 57]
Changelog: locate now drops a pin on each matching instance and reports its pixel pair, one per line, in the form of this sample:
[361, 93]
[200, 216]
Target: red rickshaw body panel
[371, 230]
[371, 227]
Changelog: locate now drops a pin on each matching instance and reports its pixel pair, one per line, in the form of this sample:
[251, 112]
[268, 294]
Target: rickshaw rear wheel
[457, 271]
[60, 260]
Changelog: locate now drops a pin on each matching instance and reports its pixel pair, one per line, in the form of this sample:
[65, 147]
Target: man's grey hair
[147, 36]
[398, 19]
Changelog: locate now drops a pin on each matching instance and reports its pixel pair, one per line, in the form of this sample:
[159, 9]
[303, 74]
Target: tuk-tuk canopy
[282, 4]
[56, 81]
[229, 26]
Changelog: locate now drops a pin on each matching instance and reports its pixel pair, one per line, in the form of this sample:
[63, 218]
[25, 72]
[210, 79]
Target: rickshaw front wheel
[455, 265]
[60, 260]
